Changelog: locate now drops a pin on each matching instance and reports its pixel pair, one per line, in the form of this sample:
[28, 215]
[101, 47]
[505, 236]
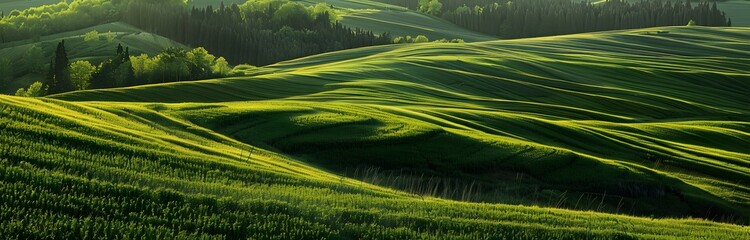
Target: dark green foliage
[258, 37]
[114, 72]
[6, 73]
[60, 81]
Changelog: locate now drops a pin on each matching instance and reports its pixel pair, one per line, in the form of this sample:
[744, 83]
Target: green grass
[78, 49]
[658, 121]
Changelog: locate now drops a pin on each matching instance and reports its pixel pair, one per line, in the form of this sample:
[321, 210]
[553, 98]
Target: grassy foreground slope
[99, 170]
[644, 122]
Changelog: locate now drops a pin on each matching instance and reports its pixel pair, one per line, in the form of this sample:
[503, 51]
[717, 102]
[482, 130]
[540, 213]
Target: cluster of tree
[532, 18]
[170, 65]
[423, 39]
[94, 36]
[37, 89]
[178, 65]
[258, 32]
[125, 70]
[430, 6]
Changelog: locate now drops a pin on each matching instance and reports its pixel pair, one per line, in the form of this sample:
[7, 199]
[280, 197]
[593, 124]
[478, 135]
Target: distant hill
[380, 17]
[737, 10]
[653, 118]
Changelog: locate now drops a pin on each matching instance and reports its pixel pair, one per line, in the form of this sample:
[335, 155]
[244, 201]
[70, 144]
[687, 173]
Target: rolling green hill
[78, 49]
[735, 9]
[642, 122]
[399, 21]
[646, 122]
[97, 170]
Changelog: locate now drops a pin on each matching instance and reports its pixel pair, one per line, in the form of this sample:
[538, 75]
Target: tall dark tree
[112, 72]
[60, 71]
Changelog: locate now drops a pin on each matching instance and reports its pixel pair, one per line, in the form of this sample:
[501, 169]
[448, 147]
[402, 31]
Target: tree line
[256, 32]
[533, 18]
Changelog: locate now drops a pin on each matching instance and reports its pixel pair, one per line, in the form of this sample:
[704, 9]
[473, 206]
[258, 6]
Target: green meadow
[624, 134]
[654, 117]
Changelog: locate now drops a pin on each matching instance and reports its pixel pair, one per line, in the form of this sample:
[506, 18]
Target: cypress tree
[60, 69]
[120, 53]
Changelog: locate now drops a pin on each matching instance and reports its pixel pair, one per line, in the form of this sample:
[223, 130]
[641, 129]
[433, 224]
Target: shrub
[37, 89]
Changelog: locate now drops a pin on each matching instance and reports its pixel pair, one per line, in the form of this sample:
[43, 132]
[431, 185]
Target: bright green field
[78, 49]
[658, 120]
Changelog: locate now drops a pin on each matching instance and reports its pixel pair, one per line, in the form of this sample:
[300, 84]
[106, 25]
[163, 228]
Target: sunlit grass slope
[140, 170]
[651, 121]
[95, 51]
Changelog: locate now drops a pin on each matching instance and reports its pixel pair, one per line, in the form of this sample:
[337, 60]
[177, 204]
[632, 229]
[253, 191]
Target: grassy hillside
[141, 170]
[735, 9]
[78, 49]
[644, 122]
[738, 11]
[398, 21]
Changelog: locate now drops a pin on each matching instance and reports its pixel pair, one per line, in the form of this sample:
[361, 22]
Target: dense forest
[256, 32]
[532, 18]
